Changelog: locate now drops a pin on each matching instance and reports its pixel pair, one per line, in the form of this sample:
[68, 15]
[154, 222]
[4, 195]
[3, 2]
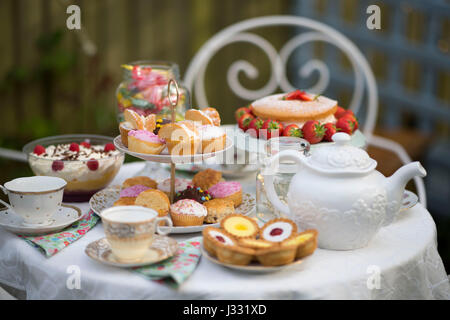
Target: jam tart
[212, 236]
[278, 230]
[306, 243]
[277, 255]
[233, 254]
[256, 243]
[240, 226]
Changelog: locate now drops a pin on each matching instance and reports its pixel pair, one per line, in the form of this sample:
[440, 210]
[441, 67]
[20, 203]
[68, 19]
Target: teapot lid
[340, 157]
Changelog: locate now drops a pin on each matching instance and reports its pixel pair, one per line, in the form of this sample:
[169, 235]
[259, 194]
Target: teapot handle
[269, 174]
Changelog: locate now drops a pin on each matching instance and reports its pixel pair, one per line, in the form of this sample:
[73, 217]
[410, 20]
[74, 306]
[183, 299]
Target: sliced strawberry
[346, 124]
[313, 131]
[85, 144]
[57, 165]
[109, 147]
[39, 150]
[330, 129]
[297, 95]
[244, 121]
[339, 112]
[240, 112]
[255, 126]
[74, 147]
[271, 128]
[293, 130]
[92, 164]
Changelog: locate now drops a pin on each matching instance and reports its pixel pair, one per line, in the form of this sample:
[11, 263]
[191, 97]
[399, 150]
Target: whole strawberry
[293, 130]
[271, 128]
[255, 126]
[339, 112]
[313, 131]
[345, 124]
[240, 112]
[330, 129]
[244, 121]
[350, 115]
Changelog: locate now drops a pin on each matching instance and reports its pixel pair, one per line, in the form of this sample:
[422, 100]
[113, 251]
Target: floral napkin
[52, 243]
[174, 271]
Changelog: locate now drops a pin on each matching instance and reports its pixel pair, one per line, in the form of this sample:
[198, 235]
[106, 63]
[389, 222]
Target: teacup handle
[168, 220]
[7, 205]
[5, 191]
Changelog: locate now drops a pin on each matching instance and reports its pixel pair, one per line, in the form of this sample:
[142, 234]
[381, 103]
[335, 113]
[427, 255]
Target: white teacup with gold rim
[35, 199]
[130, 230]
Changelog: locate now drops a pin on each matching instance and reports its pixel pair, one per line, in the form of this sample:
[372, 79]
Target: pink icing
[225, 189]
[145, 136]
[133, 191]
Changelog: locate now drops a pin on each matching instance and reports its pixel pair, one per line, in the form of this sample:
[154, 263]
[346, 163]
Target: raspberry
[74, 147]
[39, 149]
[276, 232]
[92, 164]
[86, 144]
[109, 147]
[220, 238]
[57, 165]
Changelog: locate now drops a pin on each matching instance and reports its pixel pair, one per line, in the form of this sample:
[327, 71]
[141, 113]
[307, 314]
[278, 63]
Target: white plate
[161, 249]
[64, 216]
[253, 267]
[165, 157]
[105, 199]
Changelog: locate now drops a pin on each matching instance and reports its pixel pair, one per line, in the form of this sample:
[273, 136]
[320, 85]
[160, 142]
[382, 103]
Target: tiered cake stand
[165, 157]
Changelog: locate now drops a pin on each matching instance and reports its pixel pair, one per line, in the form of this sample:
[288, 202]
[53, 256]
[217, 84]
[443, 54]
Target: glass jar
[144, 89]
[282, 177]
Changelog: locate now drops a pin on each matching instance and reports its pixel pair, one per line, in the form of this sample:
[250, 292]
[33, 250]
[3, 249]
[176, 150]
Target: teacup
[130, 230]
[36, 199]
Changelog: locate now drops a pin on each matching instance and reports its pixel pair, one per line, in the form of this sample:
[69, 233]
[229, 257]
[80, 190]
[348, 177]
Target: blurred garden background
[55, 81]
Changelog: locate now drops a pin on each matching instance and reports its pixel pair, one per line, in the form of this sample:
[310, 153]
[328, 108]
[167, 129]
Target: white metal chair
[317, 31]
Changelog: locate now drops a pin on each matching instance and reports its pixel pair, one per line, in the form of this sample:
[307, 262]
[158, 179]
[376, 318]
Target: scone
[278, 230]
[206, 116]
[218, 209]
[211, 236]
[187, 212]
[207, 178]
[230, 190]
[154, 199]
[240, 226]
[181, 138]
[139, 180]
[143, 141]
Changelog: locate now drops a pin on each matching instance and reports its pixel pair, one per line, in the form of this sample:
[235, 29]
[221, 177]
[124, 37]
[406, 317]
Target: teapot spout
[400, 178]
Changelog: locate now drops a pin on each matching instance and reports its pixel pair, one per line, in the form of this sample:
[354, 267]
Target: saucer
[64, 216]
[162, 248]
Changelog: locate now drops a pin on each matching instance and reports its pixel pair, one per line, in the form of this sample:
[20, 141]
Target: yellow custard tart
[306, 243]
[278, 230]
[256, 243]
[276, 255]
[240, 226]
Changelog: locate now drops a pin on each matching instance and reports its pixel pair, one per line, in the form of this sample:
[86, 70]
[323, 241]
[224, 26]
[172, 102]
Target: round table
[401, 262]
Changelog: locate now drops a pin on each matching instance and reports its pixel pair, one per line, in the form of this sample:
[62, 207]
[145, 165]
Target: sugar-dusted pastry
[125, 201]
[256, 243]
[154, 199]
[187, 212]
[133, 191]
[193, 193]
[240, 226]
[212, 236]
[305, 241]
[135, 120]
[206, 116]
[124, 128]
[277, 255]
[149, 122]
[141, 180]
[231, 190]
[181, 137]
[218, 209]
[180, 185]
[278, 230]
[207, 178]
[143, 141]
[213, 138]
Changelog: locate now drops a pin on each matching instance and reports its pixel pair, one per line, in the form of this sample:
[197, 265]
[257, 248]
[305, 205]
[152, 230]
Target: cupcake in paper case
[187, 212]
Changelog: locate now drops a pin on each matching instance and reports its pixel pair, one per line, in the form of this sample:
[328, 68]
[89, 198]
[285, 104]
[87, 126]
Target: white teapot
[337, 191]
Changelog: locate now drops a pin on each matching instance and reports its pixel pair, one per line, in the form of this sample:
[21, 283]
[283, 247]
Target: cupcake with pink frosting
[230, 190]
[143, 141]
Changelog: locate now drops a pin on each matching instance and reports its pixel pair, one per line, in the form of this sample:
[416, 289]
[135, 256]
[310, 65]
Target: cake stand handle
[173, 104]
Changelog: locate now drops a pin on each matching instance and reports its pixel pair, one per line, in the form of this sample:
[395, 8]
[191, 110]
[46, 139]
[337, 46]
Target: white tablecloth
[401, 262]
